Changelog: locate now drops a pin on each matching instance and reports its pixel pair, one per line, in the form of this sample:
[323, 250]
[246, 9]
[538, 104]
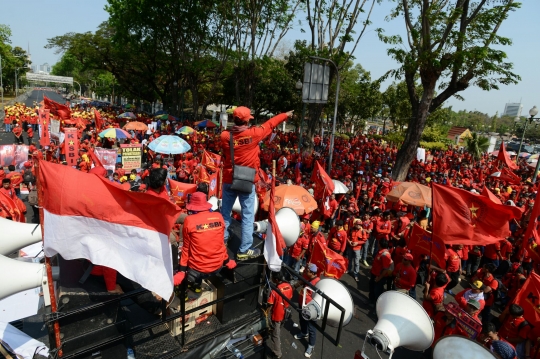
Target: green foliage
[434, 145]
[476, 145]
[395, 137]
[12, 58]
[397, 107]
[434, 134]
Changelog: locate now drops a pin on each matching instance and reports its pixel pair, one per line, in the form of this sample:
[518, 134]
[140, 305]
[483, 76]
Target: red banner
[71, 144]
[466, 323]
[213, 185]
[179, 191]
[211, 160]
[328, 262]
[528, 298]
[43, 121]
[420, 243]
[15, 155]
[10, 208]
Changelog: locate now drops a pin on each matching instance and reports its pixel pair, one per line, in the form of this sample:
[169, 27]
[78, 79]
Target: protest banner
[15, 155]
[71, 144]
[131, 156]
[107, 158]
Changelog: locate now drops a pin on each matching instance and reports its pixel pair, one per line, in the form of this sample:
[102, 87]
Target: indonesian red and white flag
[86, 216]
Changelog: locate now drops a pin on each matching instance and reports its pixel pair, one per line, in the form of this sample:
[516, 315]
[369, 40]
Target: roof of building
[462, 132]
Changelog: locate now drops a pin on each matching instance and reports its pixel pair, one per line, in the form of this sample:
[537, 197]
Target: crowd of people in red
[362, 225]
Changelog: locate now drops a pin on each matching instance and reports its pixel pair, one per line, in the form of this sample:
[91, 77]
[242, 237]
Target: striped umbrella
[114, 133]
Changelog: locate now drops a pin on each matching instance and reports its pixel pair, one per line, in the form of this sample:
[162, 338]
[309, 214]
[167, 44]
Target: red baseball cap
[243, 113]
[408, 257]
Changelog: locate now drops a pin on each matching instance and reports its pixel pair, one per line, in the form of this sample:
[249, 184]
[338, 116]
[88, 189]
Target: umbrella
[294, 197]
[533, 158]
[136, 125]
[511, 153]
[185, 130]
[205, 123]
[114, 133]
[129, 106]
[128, 115]
[160, 112]
[339, 187]
[163, 116]
[411, 193]
[524, 154]
[168, 144]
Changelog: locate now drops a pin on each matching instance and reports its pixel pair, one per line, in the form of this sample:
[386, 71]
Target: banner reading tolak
[131, 156]
[45, 139]
[71, 146]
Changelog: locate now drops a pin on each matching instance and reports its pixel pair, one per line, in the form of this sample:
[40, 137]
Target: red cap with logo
[243, 113]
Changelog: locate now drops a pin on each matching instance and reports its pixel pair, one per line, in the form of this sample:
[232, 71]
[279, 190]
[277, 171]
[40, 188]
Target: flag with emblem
[462, 217]
[323, 183]
[528, 298]
[87, 216]
[213, 185]
[420, 242]
[329, 263]
[179, 191]
[62, 111]
[211, 160]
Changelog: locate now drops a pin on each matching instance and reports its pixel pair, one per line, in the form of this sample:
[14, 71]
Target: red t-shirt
[309, 294]
[490, 251]
[278, 304]
[405, 276]
[453, 261]
[338, 240]
[301, 243]
[511, 328]
[437, 296]
[383, 260]
[488, 281]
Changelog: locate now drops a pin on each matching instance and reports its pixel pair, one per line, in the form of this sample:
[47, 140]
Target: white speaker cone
[458, 347]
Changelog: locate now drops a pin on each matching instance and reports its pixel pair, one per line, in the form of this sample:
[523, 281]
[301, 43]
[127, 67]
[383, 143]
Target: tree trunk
[407, 152]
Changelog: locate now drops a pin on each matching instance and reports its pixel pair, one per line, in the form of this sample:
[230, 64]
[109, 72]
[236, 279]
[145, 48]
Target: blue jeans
[365, 249]
[8, 127]
[247, 203]
[308, 327]
[354, 261]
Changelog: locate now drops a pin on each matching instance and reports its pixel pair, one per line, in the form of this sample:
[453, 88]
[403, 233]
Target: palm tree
[476, 145]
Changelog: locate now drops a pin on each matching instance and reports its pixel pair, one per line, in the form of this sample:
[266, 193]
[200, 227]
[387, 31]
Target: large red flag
[528, 298]
[531, 236]
[179, 191]
[487, 193]
[211, 160]
[329, 263]
[57, 109]
[461, 217]
[504, 157]
[99, 120]
[420, 243]
[10, 209]
[323, 183]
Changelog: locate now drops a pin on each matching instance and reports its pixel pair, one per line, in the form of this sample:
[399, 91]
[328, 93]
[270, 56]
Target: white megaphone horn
[16, 235]
[215, 202]
[288, 224]
[236, 208]
[17, 276]
[338, 293]
[402, 323]
[458, 347]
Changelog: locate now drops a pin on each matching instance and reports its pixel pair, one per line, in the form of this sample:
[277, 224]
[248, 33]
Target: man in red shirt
[7, 189]
[382, 229]
[515, 329]
[204, 252]
[492, 254]
[358, 237]
[17, 133]
[453, 266]
[382, 268]
[308, 330]
[330, 208]
[405, 275]
[337, 238]
[156, 183]
[16, 179]
[434, 296]
[485, 275]
[297, 251]
[246, 153]
[279, 306]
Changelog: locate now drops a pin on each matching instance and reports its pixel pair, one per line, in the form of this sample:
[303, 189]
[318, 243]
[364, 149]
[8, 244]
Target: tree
[476, 145]
[12, 58]
[450, 45]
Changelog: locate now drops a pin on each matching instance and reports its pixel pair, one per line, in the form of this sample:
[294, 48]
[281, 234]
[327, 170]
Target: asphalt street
[352, 335]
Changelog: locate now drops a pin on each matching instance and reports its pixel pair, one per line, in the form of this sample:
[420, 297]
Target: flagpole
[432, 236]
[48, 268]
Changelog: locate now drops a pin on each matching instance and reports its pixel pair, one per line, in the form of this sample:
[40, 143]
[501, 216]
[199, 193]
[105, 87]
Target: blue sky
[39, 20]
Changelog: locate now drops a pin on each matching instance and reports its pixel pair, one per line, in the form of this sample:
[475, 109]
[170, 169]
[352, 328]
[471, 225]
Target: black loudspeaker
[236, 307]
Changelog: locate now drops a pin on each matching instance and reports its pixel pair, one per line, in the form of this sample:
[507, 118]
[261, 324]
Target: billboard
[30, 76]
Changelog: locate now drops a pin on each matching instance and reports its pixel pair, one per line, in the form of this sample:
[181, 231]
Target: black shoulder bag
[243, 176]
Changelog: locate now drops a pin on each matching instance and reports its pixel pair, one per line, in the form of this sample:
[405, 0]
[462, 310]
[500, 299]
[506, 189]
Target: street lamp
[532, 112]
[299, 86]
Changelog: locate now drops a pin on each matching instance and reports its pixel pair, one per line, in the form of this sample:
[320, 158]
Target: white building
[513, 109]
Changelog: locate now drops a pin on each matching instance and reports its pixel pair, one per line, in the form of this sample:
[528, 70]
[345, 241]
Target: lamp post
[532, 112]
[331, 149]
[299, 86]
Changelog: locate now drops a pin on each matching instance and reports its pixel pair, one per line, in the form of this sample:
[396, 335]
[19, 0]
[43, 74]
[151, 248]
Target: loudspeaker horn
[458, 347]
[288, 224]
[215, 202]
[402, 323]
[335, 290]
[16, 235]
[17, 276]
[238, 209]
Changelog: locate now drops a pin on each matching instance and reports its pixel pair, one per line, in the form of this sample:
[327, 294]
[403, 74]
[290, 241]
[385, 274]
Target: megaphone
[17, 276]
[458, 347]
[16, 235]
[215, 202]
[238, 209]
[402, 323]
[288, 224]
[338, 293]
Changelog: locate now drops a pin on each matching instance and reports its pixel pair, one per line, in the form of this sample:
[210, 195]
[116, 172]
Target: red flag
[57, 109]
[95, 158]
[487, 193]
[71, 144]
[99, 120]
[203, 175]
[179, 191]
[420, 243]
[280, 243]
[323, 183]
[528, 298]
[504, 157]
[10, 208]
[461, 217]
[213, 185]
[43, 120]
[329, 263]
[211, 160]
